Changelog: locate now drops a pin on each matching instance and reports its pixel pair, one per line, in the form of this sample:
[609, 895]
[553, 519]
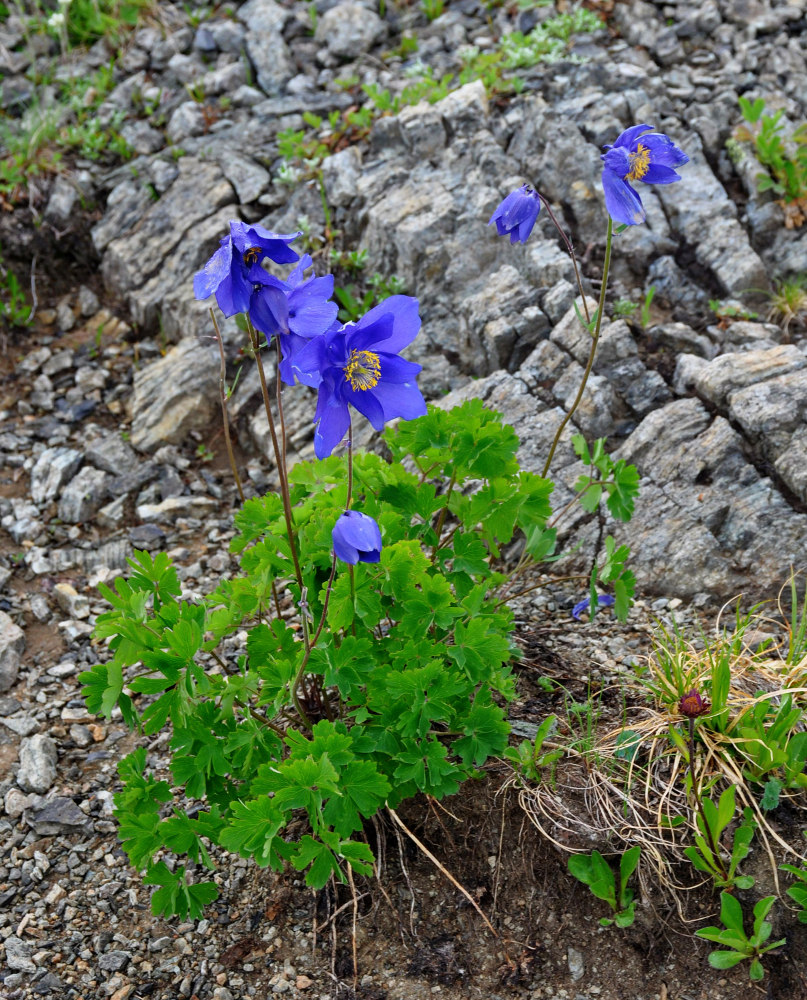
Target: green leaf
[322, 860]
[427, 766]
[627, 866]
[252, 831]
[298, 784]
[363, 792]
[725, 959]
[103, 685]
[731, 913]
[478, 649]
[486, 732]
[177, 897]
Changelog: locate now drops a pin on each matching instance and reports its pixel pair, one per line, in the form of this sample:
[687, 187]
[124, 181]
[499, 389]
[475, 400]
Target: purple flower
[294, 309]
[227, 271]
[516, 215]
[359, 365]
[356, 538]
[692, 705]
[650, 158]
[603, 600]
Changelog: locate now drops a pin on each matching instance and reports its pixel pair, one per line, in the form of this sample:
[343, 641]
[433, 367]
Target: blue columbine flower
[516, 215]
[359, 365]
[294, 309]
[227, 271]
[603, 600]
[356, 538]
[650, 158]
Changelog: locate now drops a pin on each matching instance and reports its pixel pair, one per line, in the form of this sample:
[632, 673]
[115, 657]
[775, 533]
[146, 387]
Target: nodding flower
[516, 215]
[692, 705]
[356, 538]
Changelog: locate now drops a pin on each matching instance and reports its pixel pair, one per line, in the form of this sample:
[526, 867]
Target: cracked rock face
[712, 412]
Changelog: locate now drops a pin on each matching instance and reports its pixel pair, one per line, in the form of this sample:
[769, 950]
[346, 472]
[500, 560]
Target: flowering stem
[695, 792]
[594, 341]
[279, 394]
[281, 466]
[570, 248]
[224, 418]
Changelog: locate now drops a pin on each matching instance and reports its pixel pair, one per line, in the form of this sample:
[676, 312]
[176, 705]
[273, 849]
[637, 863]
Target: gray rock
[349, 30]
[125, 207]
[264, 40]
[38, 757]
[248, 178]
[83, 495]
[18, 955]
[707, 220]
[188, 120]
[12, 646]
[142, 137]
[175, 395]
[199, 190]
[111, 453]
[227, 35]
[73, 604]
[62, 201]
[22, 725]
[174, 507]
[114, 961]
[730, 372]
[225, 79]
[576, 962]
[110, 516]
[59, 815]
[88, 304]
[340, 174]
[53, 468]
[16, 803]
[791, 465]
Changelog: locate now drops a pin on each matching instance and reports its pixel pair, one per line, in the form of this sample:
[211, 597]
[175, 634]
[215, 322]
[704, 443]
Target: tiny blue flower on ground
[650, 158]
[516, 215]
[356, 538]
[227, 271]
[603, 600]
[294, 309]
[360, 365]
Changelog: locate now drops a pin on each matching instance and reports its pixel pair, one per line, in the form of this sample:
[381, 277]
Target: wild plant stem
[224, 417]
[564, 236]
[281, 466]
[696, 793]
[594, 341]
[279, 393]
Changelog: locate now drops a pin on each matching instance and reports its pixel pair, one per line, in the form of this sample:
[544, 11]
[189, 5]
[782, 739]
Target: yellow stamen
[640, 163]
[363, 370]
[253, 255]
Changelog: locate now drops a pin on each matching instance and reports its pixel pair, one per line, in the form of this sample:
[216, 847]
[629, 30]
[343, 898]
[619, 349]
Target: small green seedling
[529, 759]
[711, 821]
[798, 891]
[739, 946]
[595, 872]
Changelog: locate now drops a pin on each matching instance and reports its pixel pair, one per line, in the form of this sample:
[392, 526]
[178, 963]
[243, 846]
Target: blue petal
[623, 204]
[627, 137]
[663, 150]
[216, 270]
[617, 160]
[397, 369]
[310, 317]
[658, 174]
[364, 400]
[269, 311]
[233, 296]
[580, 607]
[309, 362]
[400, 399]
[405, 322]
[334, 420]
[356, 538]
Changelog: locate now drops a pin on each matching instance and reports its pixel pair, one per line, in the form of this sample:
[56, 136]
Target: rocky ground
[110, 437]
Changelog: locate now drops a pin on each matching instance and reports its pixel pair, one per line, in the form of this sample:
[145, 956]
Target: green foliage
[729, 310]
[529, 759]
[403, 691]
[432, 8]
[548, 41]
[739, 947]
[798, 891]
[785, 157]
[354, 302]
[15, 309]
[595, 872]
[711, 821]
[89, 20]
